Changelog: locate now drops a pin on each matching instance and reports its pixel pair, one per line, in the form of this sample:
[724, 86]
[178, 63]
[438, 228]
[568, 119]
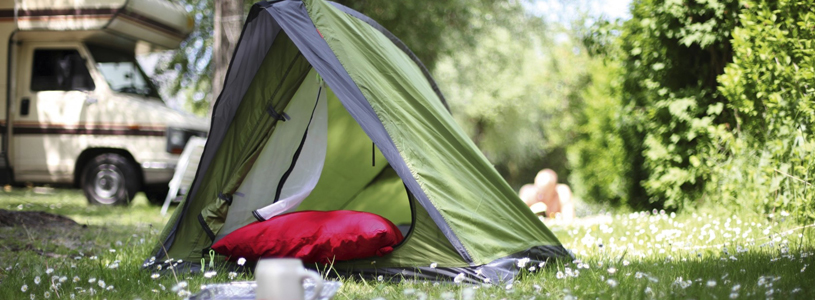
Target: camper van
[78, 109]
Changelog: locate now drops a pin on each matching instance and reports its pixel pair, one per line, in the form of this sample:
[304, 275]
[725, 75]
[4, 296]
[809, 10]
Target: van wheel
[110, 179]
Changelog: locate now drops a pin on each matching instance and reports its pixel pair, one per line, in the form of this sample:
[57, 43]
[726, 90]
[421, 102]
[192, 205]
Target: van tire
[110, 179]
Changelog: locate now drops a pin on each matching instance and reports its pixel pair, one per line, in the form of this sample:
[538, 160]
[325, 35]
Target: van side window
[60, 70]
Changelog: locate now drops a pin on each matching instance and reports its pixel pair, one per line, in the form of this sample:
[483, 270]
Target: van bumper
[157, 172]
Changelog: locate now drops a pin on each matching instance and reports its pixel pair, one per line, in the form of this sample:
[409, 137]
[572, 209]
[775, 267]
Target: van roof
[157, 22]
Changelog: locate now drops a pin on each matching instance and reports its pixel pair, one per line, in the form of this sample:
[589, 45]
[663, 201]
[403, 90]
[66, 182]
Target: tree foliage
[598, 159]
[672, 52]
[511, 91]
[769, 86]
[770, 82]
[714, 105]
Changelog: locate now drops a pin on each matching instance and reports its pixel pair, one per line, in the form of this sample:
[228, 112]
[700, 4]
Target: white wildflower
[711, 283]
[63, 279]
[49, 271]
[611, 270]
[559, 275]
[232, 275]
[92, 280]
[47, 294]
[180, 286]
[241, 261]
[210, 274]
[459, 278]
[37, 280]
[682, 283]
[433, 265]
[101, 284]
[611, 282]
[155, 275]
[24, 288]
[380, 278]
[522, 262]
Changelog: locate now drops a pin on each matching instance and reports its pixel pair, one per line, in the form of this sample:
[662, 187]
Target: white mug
[282, 279]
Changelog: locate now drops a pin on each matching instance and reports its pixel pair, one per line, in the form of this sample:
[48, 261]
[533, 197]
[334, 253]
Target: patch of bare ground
[10, 218]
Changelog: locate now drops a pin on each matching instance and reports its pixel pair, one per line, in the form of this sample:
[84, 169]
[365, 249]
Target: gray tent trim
[500, 270]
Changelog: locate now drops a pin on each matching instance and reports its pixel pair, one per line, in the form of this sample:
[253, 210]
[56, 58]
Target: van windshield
[121, 71]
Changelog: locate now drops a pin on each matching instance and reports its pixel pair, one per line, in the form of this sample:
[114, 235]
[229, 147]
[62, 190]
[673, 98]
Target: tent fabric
[293, 17]
[391, 148]
[404, 101]
[306, 165]
[261, 184]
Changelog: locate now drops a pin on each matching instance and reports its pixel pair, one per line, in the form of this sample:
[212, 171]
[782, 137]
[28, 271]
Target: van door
[55, 91]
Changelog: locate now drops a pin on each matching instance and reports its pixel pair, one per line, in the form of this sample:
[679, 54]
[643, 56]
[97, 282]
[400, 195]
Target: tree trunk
[228, 21]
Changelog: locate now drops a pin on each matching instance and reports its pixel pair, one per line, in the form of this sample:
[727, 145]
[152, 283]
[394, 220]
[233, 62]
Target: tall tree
[229, 18]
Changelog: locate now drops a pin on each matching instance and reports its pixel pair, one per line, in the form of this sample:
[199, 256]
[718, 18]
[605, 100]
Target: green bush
[597, 155]
[672, 53]
[769, 87]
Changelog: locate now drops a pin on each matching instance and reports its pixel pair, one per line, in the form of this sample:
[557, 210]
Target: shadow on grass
[72, 204]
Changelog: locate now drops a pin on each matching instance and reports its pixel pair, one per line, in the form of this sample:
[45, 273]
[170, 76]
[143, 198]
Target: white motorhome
[78, 108]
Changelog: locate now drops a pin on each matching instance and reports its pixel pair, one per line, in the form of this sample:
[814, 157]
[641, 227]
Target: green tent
[323, 109]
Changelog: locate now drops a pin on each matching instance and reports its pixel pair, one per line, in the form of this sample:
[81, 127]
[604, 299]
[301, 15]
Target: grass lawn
[708, 254]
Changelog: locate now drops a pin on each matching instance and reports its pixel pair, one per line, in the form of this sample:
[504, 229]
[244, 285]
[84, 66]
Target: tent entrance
[319, 159]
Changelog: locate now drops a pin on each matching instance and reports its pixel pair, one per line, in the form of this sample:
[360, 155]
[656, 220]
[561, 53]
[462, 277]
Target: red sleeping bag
[313, 236]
